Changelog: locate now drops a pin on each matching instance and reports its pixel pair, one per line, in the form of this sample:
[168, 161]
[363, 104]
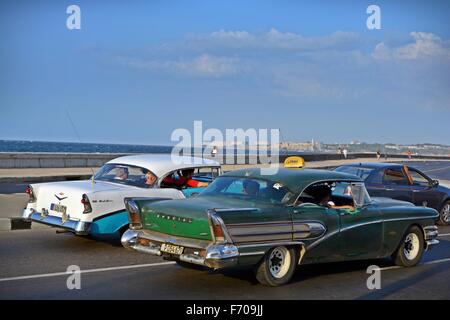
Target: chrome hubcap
[279, 262]
[412, 246]
[446, 213]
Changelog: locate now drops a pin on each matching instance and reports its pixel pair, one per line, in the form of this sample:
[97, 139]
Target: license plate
[170, 248]
[58, 208]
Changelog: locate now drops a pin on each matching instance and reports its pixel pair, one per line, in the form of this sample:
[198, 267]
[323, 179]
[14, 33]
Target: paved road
[27, 253]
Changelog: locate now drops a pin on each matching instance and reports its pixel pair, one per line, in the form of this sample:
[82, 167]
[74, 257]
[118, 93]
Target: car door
[361, 232]
[322, 244]
[423, 192]
[361, 225]
[395, 185]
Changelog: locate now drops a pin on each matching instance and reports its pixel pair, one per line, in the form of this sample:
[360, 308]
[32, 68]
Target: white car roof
[162, 164]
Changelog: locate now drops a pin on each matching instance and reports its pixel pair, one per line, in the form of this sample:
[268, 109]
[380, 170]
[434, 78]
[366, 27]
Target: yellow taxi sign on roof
[294, 162]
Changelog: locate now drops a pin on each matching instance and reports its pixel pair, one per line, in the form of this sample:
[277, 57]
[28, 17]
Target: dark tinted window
[418, 179]
[395, 176]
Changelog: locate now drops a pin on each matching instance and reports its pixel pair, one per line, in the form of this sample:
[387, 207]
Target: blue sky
[136, 71]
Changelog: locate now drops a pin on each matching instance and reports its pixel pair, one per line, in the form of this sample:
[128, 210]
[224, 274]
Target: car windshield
[336, 194]
[250, 189]
[126, 174]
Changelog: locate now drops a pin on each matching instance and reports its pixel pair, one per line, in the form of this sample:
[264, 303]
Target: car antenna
[79, 140]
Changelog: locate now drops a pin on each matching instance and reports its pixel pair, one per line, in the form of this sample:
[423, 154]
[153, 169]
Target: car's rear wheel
[444, 214]
[277, 267]
[411, 248]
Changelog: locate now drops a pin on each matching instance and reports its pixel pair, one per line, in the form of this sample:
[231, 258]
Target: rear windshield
[250, 189]
[361, 172]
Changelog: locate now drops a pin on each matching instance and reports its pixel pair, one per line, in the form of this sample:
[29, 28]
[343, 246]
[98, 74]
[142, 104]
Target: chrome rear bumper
[215, 256]
[77, 227]
[431, 233]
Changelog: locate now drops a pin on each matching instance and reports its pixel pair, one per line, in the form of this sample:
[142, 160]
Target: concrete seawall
[86, 160]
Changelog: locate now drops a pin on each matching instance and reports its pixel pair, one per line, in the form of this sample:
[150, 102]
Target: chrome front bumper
[431, 233]
[215, 256]
[77, 227]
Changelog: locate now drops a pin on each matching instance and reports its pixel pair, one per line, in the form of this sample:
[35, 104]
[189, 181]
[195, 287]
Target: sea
[74, 147]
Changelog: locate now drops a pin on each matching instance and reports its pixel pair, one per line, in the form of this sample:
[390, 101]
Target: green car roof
[294, 179]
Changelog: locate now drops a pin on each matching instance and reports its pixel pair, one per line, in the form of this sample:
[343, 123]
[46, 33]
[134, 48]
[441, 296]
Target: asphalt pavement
[34, 265]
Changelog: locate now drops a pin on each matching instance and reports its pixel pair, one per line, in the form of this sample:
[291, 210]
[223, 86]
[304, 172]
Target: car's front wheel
[277, 267]
[411, 248]
[444, 214]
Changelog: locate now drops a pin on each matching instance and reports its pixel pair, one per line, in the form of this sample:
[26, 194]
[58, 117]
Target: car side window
[418, 179]
[395, 176]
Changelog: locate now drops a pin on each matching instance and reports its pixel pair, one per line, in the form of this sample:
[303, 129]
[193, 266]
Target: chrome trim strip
[281, 243]
[252, 224]
[360, 225]
[235, 209]
[256, 253]
[383, 220]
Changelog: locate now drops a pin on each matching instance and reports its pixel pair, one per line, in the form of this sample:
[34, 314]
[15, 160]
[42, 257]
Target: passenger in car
[150, 179]
[184, 180]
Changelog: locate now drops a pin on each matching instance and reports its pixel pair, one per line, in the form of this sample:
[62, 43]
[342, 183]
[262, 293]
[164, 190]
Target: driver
[185, 180]
[121, 173]
[251, 188]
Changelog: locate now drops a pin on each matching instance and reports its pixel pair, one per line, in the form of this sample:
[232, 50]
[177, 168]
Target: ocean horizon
[77, 147]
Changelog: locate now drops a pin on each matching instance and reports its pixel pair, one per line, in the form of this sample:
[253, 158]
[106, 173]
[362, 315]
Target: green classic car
[276, 222]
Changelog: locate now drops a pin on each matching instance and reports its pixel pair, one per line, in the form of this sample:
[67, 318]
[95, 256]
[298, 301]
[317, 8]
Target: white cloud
[207, 65]
[272, 39]
[204, 65]
[425, 45]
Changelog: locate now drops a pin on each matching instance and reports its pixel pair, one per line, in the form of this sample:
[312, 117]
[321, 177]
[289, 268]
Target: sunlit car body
[96, 206]
[403, 182]
[274, 222]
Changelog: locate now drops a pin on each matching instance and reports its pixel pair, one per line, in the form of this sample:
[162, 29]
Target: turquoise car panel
[110, 223]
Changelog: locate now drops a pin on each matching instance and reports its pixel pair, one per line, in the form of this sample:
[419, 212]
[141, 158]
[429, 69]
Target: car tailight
[134, 214]
[29, 191]
[217, 228]
[86, 204]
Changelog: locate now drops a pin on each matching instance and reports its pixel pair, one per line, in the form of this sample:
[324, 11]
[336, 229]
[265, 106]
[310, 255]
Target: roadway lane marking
[444, 235]
[420, 264]
[56, 274]
[437, 169]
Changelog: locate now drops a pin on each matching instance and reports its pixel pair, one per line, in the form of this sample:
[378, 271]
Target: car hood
[388, 202]
[444, 187]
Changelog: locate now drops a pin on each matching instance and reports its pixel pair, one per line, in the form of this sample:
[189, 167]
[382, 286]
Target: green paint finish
[372, 231]
[177, 218]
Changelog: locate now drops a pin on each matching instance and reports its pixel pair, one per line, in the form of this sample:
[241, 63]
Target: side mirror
[434, 183]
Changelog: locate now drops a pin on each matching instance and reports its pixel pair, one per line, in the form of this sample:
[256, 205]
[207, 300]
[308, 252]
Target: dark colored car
[276, 222]
[402, 182]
